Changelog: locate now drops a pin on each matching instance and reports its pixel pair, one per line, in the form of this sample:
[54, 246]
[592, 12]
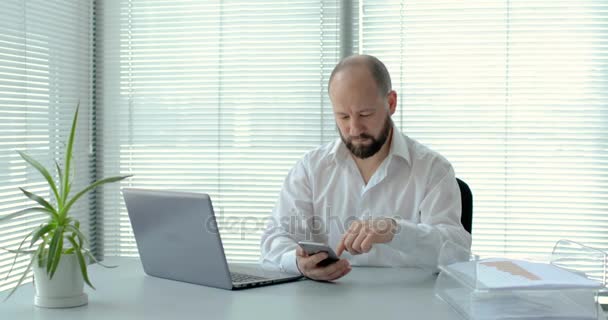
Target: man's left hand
[363, 234]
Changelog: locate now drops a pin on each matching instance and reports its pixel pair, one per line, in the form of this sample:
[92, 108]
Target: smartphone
[315, 247]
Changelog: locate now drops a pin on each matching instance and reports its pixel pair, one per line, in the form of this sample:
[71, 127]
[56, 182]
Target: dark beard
[363, 151]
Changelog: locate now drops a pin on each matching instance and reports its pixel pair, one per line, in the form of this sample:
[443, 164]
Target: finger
[340, 248]
[312, 261]
[319, 257]
[346, 271]
[348, 242]
[322, 273]
[363, 233]
[353, 233]
[300, 252]
[334, 275]
[339, 273]
[355, 227]
[318, 273]
[367, 244]
[340, 267]
[303, 263]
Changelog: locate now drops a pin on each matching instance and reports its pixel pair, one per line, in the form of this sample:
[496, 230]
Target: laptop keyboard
[241, 277]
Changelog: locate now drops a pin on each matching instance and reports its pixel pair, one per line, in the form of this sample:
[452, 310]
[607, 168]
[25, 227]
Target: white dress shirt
[325, 192]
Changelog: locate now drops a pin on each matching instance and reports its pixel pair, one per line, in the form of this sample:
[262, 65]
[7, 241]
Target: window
[46, 56]
[224, 96]
[220, 97]
[513, 93]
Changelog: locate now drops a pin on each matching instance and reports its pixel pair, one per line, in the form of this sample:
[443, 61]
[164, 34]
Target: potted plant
[59, 250]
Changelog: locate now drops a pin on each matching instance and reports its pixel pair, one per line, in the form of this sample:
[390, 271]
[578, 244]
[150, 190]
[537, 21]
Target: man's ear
[391, 98]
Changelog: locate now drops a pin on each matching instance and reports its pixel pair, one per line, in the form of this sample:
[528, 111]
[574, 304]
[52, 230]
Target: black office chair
[467, 205]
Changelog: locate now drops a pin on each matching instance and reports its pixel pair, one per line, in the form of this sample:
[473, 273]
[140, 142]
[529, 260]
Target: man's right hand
[307, 264]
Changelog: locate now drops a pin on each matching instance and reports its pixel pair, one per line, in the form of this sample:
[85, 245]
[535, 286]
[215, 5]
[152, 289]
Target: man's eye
[344, 117]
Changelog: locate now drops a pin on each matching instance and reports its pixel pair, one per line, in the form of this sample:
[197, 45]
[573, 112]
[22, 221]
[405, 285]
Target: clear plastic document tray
[564, 287]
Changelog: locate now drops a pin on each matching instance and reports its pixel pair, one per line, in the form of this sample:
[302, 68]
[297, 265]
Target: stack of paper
[518, 274]
[515, 289]
[517, 306]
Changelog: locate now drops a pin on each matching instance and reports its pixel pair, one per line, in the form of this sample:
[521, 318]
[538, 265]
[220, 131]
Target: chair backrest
[467, 205]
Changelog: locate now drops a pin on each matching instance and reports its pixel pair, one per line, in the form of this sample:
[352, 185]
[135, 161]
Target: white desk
[127, 293]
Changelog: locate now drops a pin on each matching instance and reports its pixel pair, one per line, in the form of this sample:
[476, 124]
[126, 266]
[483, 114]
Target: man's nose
[356, 127]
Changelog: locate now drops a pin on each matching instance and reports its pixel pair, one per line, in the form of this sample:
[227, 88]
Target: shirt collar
[338, 150]
[399, 147]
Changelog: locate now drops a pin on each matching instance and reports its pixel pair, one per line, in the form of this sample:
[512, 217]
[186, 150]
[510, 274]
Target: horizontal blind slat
[46, 51]
[513, 93]
[214, 97]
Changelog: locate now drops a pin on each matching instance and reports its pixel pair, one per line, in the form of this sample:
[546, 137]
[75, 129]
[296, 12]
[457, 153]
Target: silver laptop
[178, 239]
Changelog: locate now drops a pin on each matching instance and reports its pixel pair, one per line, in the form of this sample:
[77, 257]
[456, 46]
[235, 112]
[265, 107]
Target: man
[377, 196]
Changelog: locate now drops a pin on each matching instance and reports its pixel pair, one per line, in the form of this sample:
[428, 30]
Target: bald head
[374, 66]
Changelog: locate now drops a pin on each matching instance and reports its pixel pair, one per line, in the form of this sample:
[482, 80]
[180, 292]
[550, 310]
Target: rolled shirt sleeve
[440, 213]
[287, 225]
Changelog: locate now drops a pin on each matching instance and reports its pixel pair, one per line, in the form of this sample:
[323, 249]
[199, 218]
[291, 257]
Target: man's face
[362, 115]
[365, 145]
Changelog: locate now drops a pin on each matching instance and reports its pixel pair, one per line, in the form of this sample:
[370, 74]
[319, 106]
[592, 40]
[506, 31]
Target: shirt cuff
[405, 237]
[288, 262]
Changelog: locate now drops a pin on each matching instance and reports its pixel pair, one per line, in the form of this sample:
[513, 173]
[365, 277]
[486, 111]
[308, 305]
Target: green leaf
[40, 201]
[54, 254]
[82, 238]
[56, 258]
[68, 155]
[77, 232]
[81, 262]
[89, 188]
[18, 251]
[60, 173]
[23, 276]
[25, 211]
[92, 257]
[44, 173]
[51, 252]
[41, 248]
[42, 231]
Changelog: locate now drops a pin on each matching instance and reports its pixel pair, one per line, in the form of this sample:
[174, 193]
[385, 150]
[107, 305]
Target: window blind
[220, 97]
[514, 94]
[46, 54]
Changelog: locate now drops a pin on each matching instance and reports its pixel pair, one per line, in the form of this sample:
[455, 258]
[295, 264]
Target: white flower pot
[65, 290]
